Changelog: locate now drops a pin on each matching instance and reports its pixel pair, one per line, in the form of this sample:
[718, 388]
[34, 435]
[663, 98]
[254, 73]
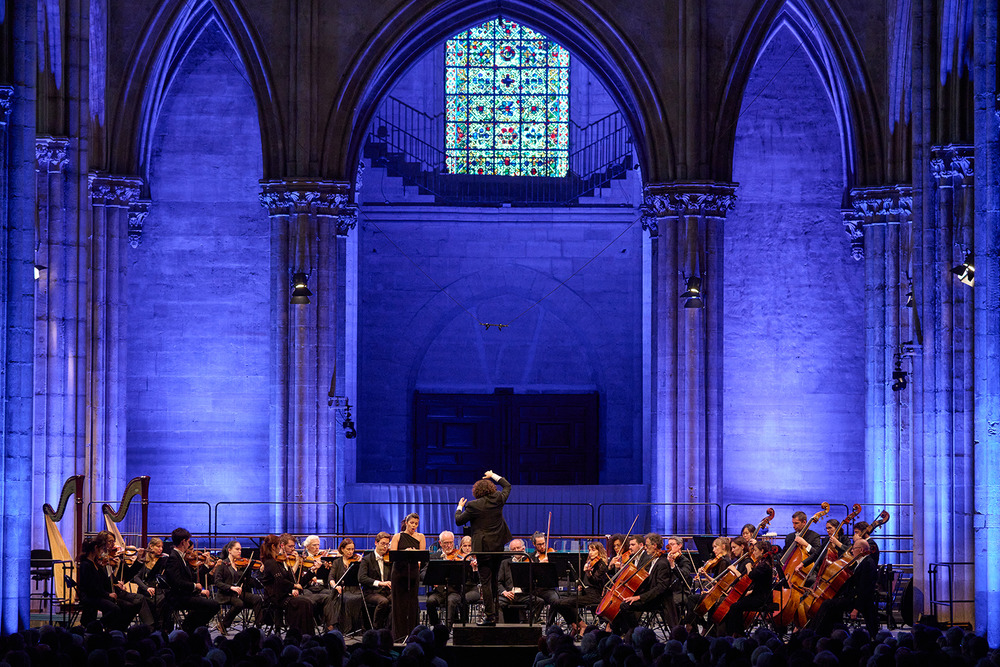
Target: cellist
[858, 593]
[758, 595]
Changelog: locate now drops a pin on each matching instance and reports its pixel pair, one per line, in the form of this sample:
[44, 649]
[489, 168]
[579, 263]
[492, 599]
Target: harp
[134, 523]
[60, 552]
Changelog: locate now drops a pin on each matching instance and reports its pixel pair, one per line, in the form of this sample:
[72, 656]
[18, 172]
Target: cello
[724, 582]
[624, 583]
[790, 560]
[833, 576]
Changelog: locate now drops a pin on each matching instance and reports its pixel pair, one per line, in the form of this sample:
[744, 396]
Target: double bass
[723, 584]
[786, 599]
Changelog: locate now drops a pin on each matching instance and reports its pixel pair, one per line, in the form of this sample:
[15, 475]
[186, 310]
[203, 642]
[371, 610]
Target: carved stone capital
[882, 205]
[294, 195]
[51, 154]
[952, 164]
[6, 101]
[347, 220]
[137, 213]
[117, 191]
[691, 198]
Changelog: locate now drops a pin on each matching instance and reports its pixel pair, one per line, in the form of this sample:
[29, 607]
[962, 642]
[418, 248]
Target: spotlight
[898, 378]
[965, 271]
[38, 270]
[693, 296]
[300, 292]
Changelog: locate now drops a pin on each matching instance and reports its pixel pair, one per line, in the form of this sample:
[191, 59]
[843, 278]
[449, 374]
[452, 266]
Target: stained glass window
[507, 102]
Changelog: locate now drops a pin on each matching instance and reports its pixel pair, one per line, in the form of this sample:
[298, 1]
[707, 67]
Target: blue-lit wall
[198, 309]
[793, 377]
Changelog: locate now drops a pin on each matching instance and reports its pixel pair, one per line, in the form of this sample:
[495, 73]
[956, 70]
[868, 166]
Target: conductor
[489, 533]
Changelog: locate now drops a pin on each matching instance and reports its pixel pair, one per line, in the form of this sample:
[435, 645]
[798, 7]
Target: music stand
[446, 573]
[350, 577]
[704, 545]
[409, 556]
[529, 576]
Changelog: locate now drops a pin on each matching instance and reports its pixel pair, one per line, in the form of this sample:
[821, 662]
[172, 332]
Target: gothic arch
[173, 29]
[574, 24]
[827, 42]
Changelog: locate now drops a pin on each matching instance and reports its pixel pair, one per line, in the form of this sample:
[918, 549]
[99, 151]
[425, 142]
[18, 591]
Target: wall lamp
[693, 296]
[965, 271]
[300, 290]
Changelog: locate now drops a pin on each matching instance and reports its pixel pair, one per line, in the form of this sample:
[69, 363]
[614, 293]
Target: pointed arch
[171, 32]
[575, 24]
[826, 41]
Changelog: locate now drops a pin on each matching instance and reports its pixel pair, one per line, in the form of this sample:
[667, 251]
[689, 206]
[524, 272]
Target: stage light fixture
[693, 296]
[966, 272]
[300, 290]
[898, 377]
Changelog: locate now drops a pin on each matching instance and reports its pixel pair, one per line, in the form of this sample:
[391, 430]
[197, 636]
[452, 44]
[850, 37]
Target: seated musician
[655, 593]
[635, 546]
[857, 594]
[122, 565]
[470, 591]
[808, 540]
[510, 594]
[836, 549]
[706, 575]
[682, 573]
[860, 528]
[314, 575]
[349, 603]
[95, 589]
[183, 590]
[450, 595]
[740, 548]
[230, 587]
[374, 577]
[148, 577]
[758, 596]
[281, 590]
[546, 596]
[588, 590]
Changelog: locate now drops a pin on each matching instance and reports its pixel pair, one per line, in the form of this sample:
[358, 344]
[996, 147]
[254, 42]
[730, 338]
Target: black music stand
[409, 556]
[530, 576]
[350, 577]
[446, 573]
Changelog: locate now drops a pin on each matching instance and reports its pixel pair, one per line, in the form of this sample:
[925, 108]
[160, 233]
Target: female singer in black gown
[405, 578]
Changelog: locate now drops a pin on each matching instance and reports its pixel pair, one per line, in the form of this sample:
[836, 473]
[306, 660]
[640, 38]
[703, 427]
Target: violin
[196, 558]
[241, 563]
[356, 558]
[454, 555]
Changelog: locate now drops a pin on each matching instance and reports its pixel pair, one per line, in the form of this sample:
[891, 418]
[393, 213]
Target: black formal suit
[225, 578]
[373, 572]
[858, 593]
[95, 588]
[279, 583]
[655, 594]
[810, 536]
[505, 584]
[489, 533]
[182, 593]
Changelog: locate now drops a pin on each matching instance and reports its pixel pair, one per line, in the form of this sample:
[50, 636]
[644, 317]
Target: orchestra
[811, 582]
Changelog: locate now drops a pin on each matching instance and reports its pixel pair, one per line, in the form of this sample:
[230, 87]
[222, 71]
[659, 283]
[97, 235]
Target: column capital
[111, 190]
[51, 154]
[304, 195]
[879, 205]
[954, 161]
[685, 198]
[347, 219]
[6, 101]
[137, 213]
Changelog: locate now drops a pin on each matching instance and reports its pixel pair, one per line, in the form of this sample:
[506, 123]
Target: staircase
[407, 143]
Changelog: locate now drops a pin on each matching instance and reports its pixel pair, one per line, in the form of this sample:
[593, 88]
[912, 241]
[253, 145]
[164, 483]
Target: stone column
[305, 217]
[57, 440]
[106, 331]
[986, 382]
[880, 227]
[684, 221]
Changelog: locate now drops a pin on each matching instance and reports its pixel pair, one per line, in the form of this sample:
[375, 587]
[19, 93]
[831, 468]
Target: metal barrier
[935, 602]
[732, 530]
[294, 516]
[160, 523]
[521, 523]
[894, 553]
[646, 524]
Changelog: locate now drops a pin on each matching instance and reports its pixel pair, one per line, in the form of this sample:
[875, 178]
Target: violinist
[509, 593]
[470, 590]
[229, 587]
[374, 575]
[589, 588]
[615, 545]
[758, 595]
[445, 595]
[635, 546]
[314, 575]
[184, 591]
[405, 578]
[655, 593]
[121, 566]
[858, 593]
[147, 578]
[348, 603]
[95, 588]
[281, 589]
[681, 569]
[547, 596]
